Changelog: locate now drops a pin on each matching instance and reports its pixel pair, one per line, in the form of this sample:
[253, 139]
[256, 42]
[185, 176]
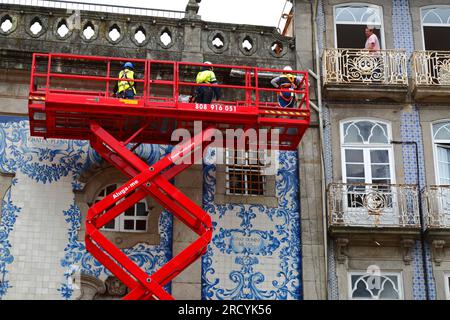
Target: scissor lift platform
[71, 97]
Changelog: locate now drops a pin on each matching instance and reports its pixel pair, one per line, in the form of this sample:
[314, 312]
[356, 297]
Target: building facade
[360, 211]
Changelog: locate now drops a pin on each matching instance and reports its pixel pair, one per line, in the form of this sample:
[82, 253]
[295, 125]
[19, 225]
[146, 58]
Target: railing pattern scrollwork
[345, 66]
[431, 68]
[370, 205]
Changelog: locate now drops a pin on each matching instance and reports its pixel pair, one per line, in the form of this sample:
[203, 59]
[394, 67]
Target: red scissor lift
[71, 98]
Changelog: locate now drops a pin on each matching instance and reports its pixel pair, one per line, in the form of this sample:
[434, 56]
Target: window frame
[363, 273]
[435, 143]
[362, 4]
[246, 182]
[422, 9]
[366, 150]
[447, 285]
[119, 224]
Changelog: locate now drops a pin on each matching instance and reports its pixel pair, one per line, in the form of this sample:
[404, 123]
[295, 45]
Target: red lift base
[146, 180]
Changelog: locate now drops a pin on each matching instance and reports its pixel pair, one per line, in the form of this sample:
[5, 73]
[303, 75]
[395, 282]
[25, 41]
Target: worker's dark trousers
[204, 95]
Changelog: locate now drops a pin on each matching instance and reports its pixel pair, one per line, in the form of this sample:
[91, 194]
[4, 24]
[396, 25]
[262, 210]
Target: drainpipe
[318, 108]
[421, 216]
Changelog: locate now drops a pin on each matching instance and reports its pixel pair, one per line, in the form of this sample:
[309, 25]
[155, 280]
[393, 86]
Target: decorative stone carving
[30, 20]
[119, 27]
[144, 30]
[58, 23]
[223, 37]
[93, 25]
[192, 9]
[341, 250]
[253, 41]
[407, 245]
[115, 287]
[171, 32]
[90, 287]
[438, 251]
[12, 18]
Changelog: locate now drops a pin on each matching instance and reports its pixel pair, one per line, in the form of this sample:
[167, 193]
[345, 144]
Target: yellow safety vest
[125, 85]
[206, 76]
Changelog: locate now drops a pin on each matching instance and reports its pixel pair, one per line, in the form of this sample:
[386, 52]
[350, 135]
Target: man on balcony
[372, 42]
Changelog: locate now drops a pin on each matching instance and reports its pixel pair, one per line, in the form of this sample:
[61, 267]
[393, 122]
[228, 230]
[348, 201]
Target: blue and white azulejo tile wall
[39, 250]
[255, 250]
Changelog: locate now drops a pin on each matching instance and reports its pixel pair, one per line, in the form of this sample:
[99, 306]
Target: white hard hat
[207, 62]
[287, 68]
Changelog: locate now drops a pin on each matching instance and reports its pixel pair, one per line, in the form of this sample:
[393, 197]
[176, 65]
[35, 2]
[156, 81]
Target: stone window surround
[341, 113]
[367, 147]
[382, 273]
[5, 185]
[386, 6]
[97, 180]
[356, 257]
[415, 8]
[269, 199]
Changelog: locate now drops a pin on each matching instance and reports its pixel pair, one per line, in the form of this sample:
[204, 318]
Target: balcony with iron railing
[431, 76]
[373, 208]
[364, 74]
[437, 199]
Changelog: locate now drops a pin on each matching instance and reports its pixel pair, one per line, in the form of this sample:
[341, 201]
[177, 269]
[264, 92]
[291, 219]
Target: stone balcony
[431, 76]
[363, 75]
[367, 212]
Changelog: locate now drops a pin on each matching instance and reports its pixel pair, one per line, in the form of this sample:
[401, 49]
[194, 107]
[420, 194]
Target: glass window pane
[389, 292]
[141, 209]
[110, 188]
[354, 156]
[128, 225]
[130, 212]
[380, 171]
[443, 155]
[439, 15]
[355, 170]
[442, 131]
[141, 225]
[111, 224]
[352, 134]
[379, 156]
[379, 134]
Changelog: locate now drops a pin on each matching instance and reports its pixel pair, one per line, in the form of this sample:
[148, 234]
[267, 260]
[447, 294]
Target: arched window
[366, 152]
[384, 286]
[351, 21]
[436, 27]
[441, 139]
[134, 219]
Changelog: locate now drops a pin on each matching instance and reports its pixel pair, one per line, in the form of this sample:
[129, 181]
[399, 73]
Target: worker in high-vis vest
[287, 81]
[126, 88]
[205, 94]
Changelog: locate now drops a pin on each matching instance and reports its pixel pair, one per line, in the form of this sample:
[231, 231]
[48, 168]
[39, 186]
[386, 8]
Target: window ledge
[268, 201]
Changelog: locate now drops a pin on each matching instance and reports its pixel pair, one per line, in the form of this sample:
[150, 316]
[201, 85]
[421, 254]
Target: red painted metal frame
[146, 180]
[67, 111]
[112, 125]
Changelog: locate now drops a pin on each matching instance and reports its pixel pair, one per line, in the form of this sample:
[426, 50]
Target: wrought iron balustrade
[346, 66]
[370, 205]
[438, 206]
[431, 68]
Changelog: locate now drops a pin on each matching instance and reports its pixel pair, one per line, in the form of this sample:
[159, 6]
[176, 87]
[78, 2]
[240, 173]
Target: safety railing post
[256, 89]
[175, 82]
[145, 80]
[108, 75]
[33, 68]
[47, 81]
[148, 80]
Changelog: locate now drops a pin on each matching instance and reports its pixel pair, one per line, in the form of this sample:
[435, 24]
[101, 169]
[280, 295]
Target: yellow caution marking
[37, 98]
[129, 101]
